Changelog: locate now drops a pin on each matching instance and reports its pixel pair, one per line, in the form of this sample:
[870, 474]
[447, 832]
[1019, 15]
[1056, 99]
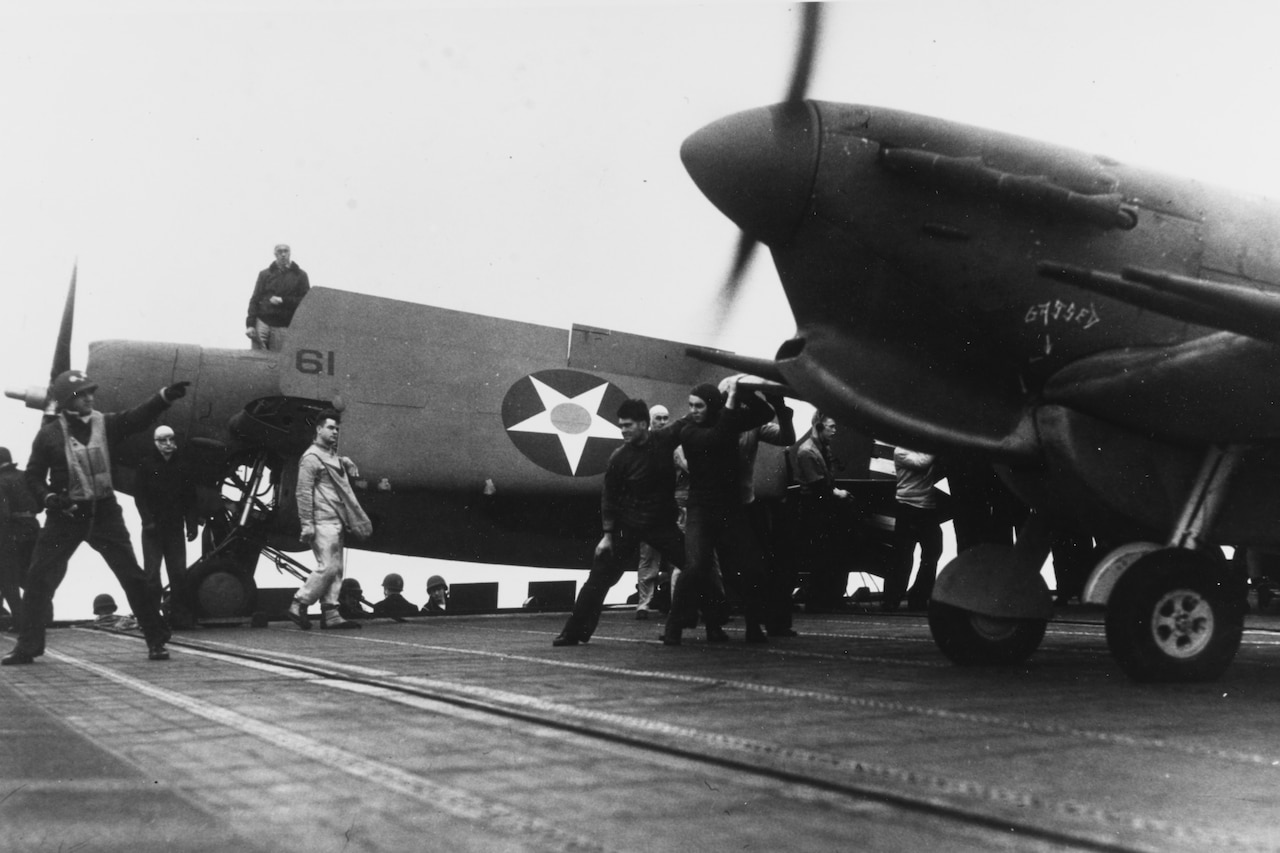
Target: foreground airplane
[1108, 336]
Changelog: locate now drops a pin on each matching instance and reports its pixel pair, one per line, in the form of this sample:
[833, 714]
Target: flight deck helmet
[436, 581]
[393, 582]
[103, 604]
[69, 383]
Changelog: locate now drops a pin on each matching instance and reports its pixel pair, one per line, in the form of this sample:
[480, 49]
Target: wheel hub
[1182, 623]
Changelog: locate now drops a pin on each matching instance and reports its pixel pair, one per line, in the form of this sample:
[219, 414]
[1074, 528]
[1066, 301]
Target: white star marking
[573, 420]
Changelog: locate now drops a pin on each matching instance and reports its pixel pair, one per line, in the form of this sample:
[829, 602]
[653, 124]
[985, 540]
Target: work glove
[176, 391]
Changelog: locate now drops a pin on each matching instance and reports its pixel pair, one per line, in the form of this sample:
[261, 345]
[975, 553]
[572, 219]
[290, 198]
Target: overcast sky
[520, 159]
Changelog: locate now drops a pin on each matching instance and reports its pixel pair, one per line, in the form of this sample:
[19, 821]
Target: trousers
[711, 531]
[912, 526]
[17, 541]
[608, 569]
[324, 583]
[101, 524]
[167, 543]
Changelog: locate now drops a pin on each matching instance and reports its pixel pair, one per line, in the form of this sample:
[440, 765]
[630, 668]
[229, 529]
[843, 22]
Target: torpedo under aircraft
[1105, 334]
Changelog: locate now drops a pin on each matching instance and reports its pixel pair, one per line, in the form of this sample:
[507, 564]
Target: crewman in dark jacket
[18, 532]
[70, 475]
[717, 520]
[393, 603]
[276, 295]
[637, 505]
[165, 494]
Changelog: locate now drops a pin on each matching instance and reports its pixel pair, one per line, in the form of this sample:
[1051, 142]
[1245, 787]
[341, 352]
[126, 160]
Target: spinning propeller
[800, 74]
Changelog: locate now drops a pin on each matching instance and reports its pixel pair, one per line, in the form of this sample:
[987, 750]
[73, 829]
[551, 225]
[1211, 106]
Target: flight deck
[473, 733]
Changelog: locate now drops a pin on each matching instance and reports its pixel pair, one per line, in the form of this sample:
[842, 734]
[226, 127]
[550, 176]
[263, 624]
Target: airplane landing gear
[221, 584]
[990, 605]
[223, 588]
[974, 639]
[1176, 615]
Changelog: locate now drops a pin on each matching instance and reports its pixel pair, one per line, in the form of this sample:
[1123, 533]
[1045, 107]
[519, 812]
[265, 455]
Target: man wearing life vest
[70, 474]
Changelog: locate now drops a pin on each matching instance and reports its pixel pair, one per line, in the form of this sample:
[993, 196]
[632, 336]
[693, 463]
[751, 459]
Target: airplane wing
[1191, 390]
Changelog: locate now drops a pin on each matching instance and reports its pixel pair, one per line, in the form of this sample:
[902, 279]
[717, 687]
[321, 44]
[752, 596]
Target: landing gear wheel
[219, 590]
[972, 639]
[1176, 615]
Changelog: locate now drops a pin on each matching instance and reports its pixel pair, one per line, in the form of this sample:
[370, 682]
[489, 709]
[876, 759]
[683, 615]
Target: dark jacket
[395, 604]
[711, 451]
[47, 468]
[165, 491]
[18, 507]
[639, 484]
[289, 284]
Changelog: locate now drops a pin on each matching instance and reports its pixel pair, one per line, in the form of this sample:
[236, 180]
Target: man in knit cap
[717, 521]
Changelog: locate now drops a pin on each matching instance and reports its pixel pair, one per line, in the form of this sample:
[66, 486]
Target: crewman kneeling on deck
[393, 603]
[437, 597]
[350, 600]
[70, 474]
[637, 505]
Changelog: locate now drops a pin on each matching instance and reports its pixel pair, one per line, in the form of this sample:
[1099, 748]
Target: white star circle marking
[572, 419]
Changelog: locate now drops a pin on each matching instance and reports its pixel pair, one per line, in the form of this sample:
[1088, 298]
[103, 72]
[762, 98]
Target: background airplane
[525, 161]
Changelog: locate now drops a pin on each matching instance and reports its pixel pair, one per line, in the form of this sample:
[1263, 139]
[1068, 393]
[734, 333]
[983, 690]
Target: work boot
[564, 640]
[157, 651]
[298, 615]
[16, 657]
[670, 637]
[331, 619]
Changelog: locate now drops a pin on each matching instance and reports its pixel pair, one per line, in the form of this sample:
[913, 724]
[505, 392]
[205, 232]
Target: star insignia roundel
[564, 420]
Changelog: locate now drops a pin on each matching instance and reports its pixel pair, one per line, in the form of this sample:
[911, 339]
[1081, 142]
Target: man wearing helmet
[393, 602]
[69, 473]
[437, 596]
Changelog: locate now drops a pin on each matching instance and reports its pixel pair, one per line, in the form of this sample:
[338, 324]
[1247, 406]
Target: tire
[219, 590]
[971, 639]
[1175, 616]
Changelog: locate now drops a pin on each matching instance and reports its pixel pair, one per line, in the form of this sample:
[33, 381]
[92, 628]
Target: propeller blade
[805, 51]
[62, 350]
[802, 70]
